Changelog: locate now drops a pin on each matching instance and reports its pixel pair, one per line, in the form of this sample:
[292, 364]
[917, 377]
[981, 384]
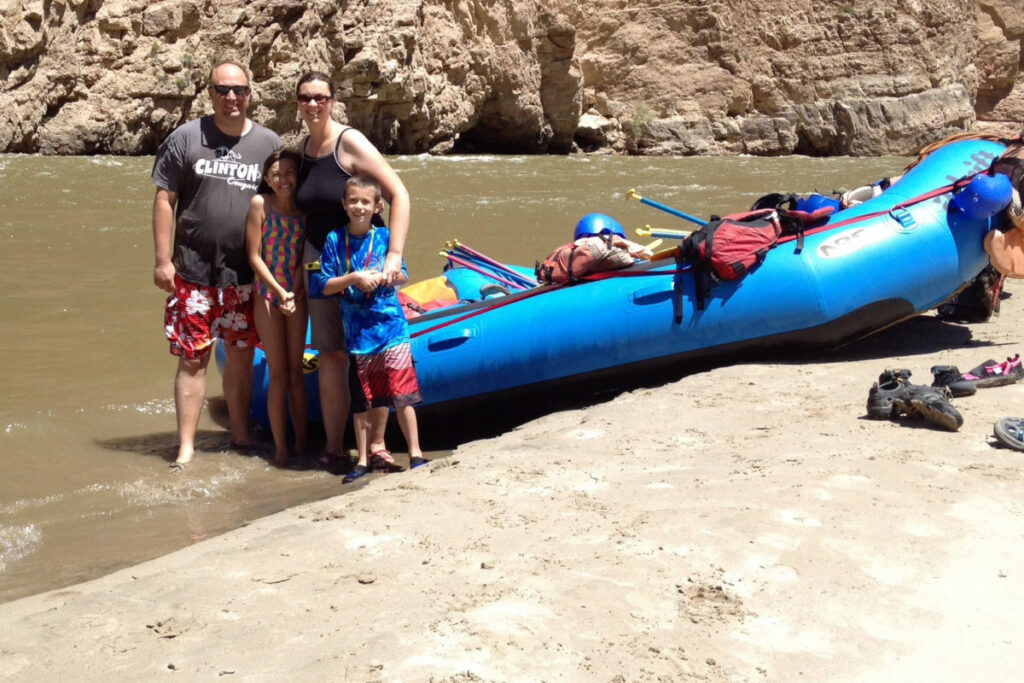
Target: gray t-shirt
[215, 176]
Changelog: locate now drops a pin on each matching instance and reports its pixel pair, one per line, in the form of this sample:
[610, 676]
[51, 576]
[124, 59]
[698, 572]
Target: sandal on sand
[381, 461]
[417, 461]
[1009, 431]
[357, 471]
[893, 395]
[988, 374]
[177, 467]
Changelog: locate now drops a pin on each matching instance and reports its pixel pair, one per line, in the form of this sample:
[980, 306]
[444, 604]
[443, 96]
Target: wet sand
[744, 523]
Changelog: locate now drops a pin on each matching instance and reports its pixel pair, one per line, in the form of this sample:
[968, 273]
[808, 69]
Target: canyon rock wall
[649, 77]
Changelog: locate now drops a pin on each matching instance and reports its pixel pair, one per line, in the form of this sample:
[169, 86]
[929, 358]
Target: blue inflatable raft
[870, 266]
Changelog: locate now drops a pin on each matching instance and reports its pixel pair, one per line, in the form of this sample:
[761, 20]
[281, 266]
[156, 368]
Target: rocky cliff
[763, 77]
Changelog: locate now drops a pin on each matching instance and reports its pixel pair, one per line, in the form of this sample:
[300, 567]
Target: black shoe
[949, 376]
[891, 384]
[893, 395]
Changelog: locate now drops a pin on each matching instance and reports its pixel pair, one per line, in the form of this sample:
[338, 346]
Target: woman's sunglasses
[306, 99]
[223, 90]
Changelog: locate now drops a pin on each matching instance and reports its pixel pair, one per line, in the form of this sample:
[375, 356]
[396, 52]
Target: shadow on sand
[445, 428]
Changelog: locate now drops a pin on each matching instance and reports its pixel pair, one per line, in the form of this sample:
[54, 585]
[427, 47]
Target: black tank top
[321, 188]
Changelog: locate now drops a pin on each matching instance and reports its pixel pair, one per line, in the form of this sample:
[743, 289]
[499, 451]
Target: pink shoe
[993, 374]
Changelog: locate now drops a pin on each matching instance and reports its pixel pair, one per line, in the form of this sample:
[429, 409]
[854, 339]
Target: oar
[648, 231]
[665, 253]
[456, 245]
[466, 264]
[632, 194]
[486, 266]
[482, 259]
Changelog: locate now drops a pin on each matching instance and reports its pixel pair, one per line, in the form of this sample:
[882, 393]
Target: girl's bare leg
[295, 335]
[271, 327]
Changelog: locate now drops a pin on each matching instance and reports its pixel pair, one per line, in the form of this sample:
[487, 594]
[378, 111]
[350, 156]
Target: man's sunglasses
[223, 90]
[306, 99]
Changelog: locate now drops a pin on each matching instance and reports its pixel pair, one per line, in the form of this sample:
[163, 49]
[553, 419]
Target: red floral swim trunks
[196, 315]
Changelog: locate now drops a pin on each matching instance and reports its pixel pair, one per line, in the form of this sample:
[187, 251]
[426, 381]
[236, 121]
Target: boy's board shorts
[197, 315]
[383, 380]
[328, 334]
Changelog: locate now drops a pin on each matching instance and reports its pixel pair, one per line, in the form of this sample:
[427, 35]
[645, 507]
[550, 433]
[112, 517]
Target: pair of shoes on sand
[381, 461]
[893, 395]
[988, 374]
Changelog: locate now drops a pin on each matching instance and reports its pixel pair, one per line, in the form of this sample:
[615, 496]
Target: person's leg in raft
[295, 329]
[270, 323]
[334, 399]
[189, 394]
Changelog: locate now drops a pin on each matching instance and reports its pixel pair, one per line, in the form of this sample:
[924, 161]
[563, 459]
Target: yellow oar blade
[665, 253]
[648, 231]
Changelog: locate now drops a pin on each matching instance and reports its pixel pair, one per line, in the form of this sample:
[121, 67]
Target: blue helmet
[815, 201]
[598, 224]
[985, 196]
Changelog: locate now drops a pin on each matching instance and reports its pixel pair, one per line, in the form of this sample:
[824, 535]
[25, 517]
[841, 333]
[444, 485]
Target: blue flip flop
[357, 471]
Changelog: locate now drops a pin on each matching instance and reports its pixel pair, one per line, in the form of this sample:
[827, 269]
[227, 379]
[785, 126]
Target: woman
[331, 154]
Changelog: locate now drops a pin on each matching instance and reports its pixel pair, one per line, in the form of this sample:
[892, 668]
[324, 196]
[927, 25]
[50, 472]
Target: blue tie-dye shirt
[373, 322]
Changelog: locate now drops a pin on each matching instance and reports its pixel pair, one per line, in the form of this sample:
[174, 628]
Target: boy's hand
[368, 280]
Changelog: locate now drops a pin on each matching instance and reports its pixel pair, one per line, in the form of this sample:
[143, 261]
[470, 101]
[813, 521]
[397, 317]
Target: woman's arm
[362, 157]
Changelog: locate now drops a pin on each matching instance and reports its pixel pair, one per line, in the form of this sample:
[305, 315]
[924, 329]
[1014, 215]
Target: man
[205, 173]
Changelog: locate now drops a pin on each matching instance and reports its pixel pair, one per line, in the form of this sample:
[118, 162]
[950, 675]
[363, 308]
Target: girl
[274, 234]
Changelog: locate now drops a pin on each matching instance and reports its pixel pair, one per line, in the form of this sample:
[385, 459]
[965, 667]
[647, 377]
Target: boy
[381, 374]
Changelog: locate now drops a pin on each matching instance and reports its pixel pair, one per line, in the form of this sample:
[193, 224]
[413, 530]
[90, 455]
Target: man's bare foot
[185, 455]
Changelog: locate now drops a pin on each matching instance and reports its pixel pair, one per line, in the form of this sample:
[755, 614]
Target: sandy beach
[747, 523]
